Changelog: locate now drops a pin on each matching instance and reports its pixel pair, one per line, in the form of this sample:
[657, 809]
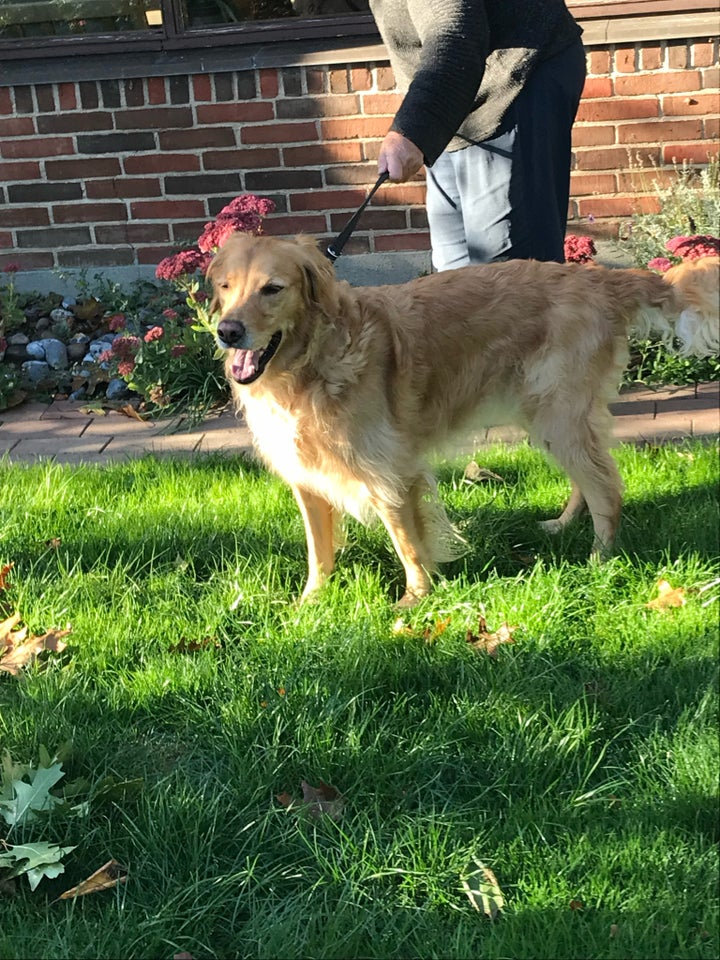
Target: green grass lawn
[580, 764]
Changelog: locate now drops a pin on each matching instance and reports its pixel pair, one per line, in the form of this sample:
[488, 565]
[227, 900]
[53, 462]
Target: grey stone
[58, 315]
[18, 340]
[78, 394]
[36, 370]
[78, 346]
[55, 353]
[36, 350]
[117, 390]
[16, 353]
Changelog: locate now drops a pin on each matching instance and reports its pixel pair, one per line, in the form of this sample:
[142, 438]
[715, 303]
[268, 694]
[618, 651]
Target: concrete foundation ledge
[370, 269]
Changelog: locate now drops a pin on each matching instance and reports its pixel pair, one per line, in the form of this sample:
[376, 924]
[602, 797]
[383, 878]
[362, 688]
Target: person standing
[492, 90]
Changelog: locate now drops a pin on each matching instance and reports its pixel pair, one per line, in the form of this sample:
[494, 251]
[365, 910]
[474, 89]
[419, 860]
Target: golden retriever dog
[348, 390]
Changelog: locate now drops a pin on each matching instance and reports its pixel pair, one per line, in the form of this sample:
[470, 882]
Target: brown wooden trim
[103, 56]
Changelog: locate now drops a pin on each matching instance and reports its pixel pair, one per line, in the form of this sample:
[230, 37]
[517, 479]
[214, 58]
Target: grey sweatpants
[511, 193]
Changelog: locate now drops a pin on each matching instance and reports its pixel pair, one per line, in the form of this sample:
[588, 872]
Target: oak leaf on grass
[37, 860]
[482, 890]
[667, 597]
[487, 641]
[317, 802]
[106, 877]
[17, 650]
[4, 571]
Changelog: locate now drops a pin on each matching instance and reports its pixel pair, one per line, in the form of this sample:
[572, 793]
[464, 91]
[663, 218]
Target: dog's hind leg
[579, 447]
[319, 519]
[576, 506]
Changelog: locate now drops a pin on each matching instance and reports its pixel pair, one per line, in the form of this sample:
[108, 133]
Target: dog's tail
[442, 540]
[682, 307]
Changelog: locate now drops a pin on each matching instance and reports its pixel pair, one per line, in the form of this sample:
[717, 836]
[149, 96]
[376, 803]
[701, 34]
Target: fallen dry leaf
[483, 891]
[487, 642]
[109, 875]
[667, 597]
[435, 630]
[183, 956]
[4, 571]
[576, 905]
[89, 309]
[474, 473]
[193, 646]
[129, 410]
[8, 638]
[17, 652]
[430, 632]
[323, 800]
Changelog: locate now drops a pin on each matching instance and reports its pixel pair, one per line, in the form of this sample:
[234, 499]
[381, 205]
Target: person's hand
[399, 156]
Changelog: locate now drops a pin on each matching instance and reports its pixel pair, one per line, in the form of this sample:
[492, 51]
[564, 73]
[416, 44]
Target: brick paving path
[59, 430]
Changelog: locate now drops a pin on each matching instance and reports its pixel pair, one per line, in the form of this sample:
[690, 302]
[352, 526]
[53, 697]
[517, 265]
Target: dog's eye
[270, 289]
[224, 285]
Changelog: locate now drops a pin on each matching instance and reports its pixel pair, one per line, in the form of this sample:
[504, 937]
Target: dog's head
[265, 290]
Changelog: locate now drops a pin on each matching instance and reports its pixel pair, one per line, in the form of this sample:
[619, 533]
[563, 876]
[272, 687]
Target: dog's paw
[551, 526]
[409, 599]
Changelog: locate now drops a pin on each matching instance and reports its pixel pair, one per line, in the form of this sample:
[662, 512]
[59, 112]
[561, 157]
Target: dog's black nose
[230, 332]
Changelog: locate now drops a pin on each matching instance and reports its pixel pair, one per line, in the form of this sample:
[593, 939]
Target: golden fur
[366, 382]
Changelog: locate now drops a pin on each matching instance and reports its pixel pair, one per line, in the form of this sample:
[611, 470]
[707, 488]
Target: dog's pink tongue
[244, 363]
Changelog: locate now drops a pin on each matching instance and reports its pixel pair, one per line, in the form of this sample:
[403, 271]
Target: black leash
[336, 247]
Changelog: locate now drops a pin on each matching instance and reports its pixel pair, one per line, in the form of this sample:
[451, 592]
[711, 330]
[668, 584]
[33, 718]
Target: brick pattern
[120, 172]
[646, 108]
[126, 171]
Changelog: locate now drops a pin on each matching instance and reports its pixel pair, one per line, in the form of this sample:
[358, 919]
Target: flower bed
[152, 348]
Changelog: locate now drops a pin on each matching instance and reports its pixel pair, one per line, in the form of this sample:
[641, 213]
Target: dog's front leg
[402, 525]
[319, 519]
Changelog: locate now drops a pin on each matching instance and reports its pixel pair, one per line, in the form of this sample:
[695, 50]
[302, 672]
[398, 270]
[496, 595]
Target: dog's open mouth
[248, 365]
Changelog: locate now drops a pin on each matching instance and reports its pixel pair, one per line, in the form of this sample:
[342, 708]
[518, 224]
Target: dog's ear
[318, 272]
[211, 270]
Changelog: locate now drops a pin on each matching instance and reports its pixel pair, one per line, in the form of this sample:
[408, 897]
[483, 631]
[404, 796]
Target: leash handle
[336, 247]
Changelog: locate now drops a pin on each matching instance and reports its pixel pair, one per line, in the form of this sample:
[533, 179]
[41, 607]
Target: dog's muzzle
[247, 365]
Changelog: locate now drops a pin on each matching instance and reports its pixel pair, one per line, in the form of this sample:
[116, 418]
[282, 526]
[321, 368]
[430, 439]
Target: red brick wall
[645, 109]
[122, 172]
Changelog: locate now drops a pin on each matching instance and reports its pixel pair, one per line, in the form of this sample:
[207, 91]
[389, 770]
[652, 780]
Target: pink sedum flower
[661, 264]
[170, 314]
[244, 214]
[155, 333]
[126, 367]
[694, 248]
[187, 261]
[178, 350]
[116, 322]
[125, 347]
[579, 249]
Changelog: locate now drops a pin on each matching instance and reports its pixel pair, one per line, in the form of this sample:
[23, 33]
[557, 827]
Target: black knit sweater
[463, 62]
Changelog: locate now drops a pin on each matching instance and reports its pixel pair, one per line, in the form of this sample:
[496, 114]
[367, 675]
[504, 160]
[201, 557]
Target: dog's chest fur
[318, 466]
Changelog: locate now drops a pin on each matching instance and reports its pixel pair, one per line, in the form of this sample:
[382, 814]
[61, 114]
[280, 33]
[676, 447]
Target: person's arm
[454, 37]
